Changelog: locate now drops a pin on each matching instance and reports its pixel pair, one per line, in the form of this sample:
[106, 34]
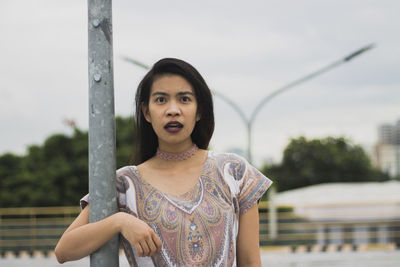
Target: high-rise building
[387, 150]
[389, 134]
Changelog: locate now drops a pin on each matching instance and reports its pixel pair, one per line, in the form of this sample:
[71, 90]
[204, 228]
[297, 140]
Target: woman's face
[172, 111]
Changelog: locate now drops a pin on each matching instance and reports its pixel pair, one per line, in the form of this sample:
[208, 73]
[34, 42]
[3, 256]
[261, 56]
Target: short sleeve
[125, 192]
[84, 201]
[250, 182]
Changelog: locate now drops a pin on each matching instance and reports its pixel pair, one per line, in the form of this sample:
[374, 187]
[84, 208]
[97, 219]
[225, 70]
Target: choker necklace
[177, 156]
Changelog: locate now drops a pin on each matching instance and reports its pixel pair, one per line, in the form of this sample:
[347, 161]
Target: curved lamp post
[249, 121]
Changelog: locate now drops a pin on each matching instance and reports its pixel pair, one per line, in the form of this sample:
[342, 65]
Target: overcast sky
[244, 49]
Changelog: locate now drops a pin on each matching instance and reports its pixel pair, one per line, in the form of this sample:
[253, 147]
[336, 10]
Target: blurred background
[326, 130]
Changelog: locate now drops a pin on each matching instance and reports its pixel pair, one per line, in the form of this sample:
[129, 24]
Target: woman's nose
[173, 109]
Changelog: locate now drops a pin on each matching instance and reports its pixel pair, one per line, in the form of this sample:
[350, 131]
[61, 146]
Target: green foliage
[125, 140]
[10, 166]
[56, 173]
[308, 162]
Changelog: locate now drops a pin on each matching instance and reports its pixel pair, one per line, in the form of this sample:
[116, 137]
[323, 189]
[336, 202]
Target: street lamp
[249, 121]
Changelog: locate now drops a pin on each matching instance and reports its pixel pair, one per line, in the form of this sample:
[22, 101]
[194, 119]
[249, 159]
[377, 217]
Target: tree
[308, 162]
[10, 166]
[125, 140]
[56, 173]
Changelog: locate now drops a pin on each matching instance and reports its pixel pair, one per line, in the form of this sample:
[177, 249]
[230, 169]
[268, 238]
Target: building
[387, 150]
[346, 213]
[345, 201]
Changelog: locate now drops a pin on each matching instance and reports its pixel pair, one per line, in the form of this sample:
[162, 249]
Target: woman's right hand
[139, 234]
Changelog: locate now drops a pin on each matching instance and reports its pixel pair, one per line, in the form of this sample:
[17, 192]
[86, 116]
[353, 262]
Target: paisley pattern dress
[200, 227]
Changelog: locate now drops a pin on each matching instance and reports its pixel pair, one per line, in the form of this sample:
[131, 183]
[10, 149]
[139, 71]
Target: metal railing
[295, 230]
[33, 229]
[38, 229]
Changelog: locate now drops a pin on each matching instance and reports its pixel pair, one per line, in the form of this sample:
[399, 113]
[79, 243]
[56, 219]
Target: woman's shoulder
[230, 163]
[130, 171]
[127, 178]
[226, 157]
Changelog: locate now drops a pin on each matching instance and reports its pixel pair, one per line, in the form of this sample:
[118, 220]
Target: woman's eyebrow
[159, 93]
[177, 94]
[184, 93]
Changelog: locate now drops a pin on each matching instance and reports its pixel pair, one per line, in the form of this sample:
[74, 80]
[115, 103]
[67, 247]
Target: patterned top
[200, 227]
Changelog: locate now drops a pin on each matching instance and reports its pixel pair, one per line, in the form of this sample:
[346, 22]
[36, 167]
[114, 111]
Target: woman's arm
[248, 246]
[82, 238]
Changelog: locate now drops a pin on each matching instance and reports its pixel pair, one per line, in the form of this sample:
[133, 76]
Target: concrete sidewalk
[333, 259]
[269, 259]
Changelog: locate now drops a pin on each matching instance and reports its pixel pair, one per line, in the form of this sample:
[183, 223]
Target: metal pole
[298, 82]
[102, 162]
[248, 127]
[306, 78]
[272, 215]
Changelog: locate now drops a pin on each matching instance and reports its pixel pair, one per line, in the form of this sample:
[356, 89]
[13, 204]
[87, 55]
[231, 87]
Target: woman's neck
[175, 148]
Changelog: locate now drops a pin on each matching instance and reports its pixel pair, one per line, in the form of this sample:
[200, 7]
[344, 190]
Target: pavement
[269, 259]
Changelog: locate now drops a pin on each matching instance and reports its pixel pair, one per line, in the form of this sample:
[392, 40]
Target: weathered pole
[102, 162]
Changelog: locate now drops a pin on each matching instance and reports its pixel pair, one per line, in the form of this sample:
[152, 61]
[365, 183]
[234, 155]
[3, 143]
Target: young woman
[181, 205]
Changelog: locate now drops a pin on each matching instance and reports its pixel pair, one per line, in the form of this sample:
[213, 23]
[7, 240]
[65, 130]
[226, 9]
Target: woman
[181, 205]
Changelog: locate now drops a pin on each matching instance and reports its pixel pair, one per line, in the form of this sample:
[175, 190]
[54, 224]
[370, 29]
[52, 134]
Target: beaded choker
[177, 156]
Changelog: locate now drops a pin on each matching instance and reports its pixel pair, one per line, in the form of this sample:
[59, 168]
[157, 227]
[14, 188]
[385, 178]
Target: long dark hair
[204, 128]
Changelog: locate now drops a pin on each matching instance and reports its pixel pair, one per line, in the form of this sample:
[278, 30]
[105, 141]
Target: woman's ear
[198, 117]
[145, 111]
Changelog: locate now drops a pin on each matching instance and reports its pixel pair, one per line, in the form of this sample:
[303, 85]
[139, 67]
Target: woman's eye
[185, 99]
[160, 100]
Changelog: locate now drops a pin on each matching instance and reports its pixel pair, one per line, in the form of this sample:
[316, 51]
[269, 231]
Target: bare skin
[83, 238]
[248, 248]
[173, 179]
